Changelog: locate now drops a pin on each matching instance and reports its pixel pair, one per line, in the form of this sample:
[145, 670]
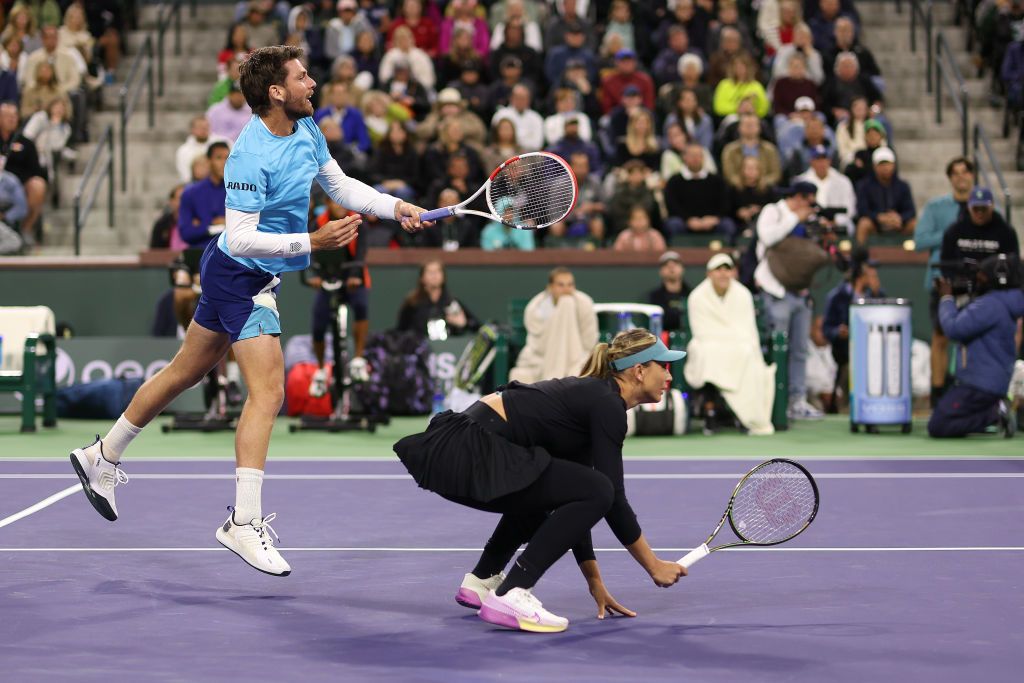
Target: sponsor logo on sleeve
[244, 187]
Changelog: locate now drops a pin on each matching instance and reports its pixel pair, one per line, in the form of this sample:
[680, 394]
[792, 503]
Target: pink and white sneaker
[521, 610]
[473, 590]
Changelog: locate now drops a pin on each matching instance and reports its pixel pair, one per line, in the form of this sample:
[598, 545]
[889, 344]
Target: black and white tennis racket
[773, 503]
[527, 192]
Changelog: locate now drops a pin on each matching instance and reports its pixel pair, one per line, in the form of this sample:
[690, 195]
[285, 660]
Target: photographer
[787, 260]
[986, 327]
[834, 190]
[972, 239]
[863, 282]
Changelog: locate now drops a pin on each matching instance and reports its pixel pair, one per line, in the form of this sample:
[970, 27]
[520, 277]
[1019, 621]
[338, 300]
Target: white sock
[118, 438]
[248, 488]
[234, 375]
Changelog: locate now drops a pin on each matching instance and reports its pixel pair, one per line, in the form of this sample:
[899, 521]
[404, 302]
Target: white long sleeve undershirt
[245, 240]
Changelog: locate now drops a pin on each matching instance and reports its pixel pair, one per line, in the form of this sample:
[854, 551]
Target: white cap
[720, 259]
[804, 103]
[883, 154]
[449, 96]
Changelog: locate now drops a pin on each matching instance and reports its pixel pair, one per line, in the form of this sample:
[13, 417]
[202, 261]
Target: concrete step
[885, 14]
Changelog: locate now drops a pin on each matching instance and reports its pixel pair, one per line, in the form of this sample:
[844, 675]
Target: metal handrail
[982, 144]
[169, 10]
[946, 71]
[921, 13]
[129, 97]
[83, 203]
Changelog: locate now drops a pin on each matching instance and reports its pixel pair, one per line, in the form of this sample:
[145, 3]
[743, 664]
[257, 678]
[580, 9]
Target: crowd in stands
[54, 57]
[680, 118]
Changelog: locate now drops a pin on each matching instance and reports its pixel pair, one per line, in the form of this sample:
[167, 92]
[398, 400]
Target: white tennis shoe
[99, 477]
[520, 609]
[473, 590]
[318, 384]
[252, 543]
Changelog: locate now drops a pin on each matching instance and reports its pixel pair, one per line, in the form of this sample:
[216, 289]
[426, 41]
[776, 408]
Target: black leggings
[552, 514]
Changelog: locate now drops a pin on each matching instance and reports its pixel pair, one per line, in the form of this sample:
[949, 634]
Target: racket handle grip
[695, 555]
[436, 214]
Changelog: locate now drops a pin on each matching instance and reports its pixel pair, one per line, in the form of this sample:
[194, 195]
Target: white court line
[383, 549]
[646, 475]
[44, 503]
[633, 458]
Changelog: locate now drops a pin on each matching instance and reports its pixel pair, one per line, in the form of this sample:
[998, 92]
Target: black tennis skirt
[466, 455]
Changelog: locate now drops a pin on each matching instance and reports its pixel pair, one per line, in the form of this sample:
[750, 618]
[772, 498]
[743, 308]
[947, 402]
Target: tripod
[333, 268]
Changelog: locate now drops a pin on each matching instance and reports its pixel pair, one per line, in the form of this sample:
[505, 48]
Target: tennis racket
[527, 192]
[773, 503]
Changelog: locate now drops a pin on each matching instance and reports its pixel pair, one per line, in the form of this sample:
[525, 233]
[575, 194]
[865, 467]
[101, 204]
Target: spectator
[342, 31]
[457, 177]
[44, 12]
[23, 27]
[228, 117]
[776, 22]
[201, 213]
[379, 112]
[989, 329]
[367, 55]
[633, 188]
[198, 140]
[13, 208]
[750, 144]
[453, 232]
[738, 86]
[936, 217]
[450, 105]
[497, 235]
[405, 50]
[691, 16]
[395, 166]
[816, 134]
[348, 117]
[862, 166]
[301, 33]
[862, 282]
[515, 15]
[791, 87]
[639, 235]
[728, 128]
[422, 29]
[847, 85]
[472, 89]
[976, 237]
[222, 87]
[504, 144]
[346, 153]
[431, 310]
[691, 70]
[165, 228]
[236, 49]
[65, 63]
[788, 310]
[514, 46]
[43, 90]
[850, 131]
[730, 47]
[748, 198]
[571, 143]
[729, 18]
[725, 350]
[22, 159]
[803, 47]
[566, 14]
[846, 41]
[460, 51]
[626, 73]
[9, 86]
[672, 293]
[406, 90]
[462, 15]
[566, 107]
[106, 23]
[74, 34]
[620, 21]
[13, 59]
[613, 126]
[835, 191]
[666, 65]
[691, 116]
[529, 124]
[575, 78]
[586, 220]
[50, 130]
[452, 141]
[884, 201]
[640, 142]
[696, 200]
[561, 331]
[262, 28]
[823, 25]
[676, 141]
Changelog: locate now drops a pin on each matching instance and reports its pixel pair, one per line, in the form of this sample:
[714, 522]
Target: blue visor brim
[658, 352]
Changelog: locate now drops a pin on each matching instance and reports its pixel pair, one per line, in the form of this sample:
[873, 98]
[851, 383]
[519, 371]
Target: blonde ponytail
[624, 344]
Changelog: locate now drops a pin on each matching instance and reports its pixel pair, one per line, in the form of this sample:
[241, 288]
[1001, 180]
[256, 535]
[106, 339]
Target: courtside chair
[29, 361]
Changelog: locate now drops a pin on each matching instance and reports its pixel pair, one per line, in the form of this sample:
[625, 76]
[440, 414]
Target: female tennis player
[548, 458]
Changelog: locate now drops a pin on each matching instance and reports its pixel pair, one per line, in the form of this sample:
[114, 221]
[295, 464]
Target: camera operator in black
[987, 329]
[972, 239]
[863, 282]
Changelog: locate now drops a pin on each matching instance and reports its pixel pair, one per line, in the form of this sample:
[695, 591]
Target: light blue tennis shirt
[272, 175]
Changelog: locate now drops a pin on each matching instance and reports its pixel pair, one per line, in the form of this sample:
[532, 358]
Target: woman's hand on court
[666, 574]
[606, 604]
[409, 216]
[335, 234]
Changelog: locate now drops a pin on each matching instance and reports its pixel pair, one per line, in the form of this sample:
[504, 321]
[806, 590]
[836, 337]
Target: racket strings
[773, 504]
[532, 192]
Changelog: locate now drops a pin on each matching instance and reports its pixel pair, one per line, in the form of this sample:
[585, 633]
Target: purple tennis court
[911, 570]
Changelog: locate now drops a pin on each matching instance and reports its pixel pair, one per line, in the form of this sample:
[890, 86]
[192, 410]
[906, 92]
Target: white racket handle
[694, 556]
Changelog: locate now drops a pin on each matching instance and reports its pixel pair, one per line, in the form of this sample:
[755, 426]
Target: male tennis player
[268, 176]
